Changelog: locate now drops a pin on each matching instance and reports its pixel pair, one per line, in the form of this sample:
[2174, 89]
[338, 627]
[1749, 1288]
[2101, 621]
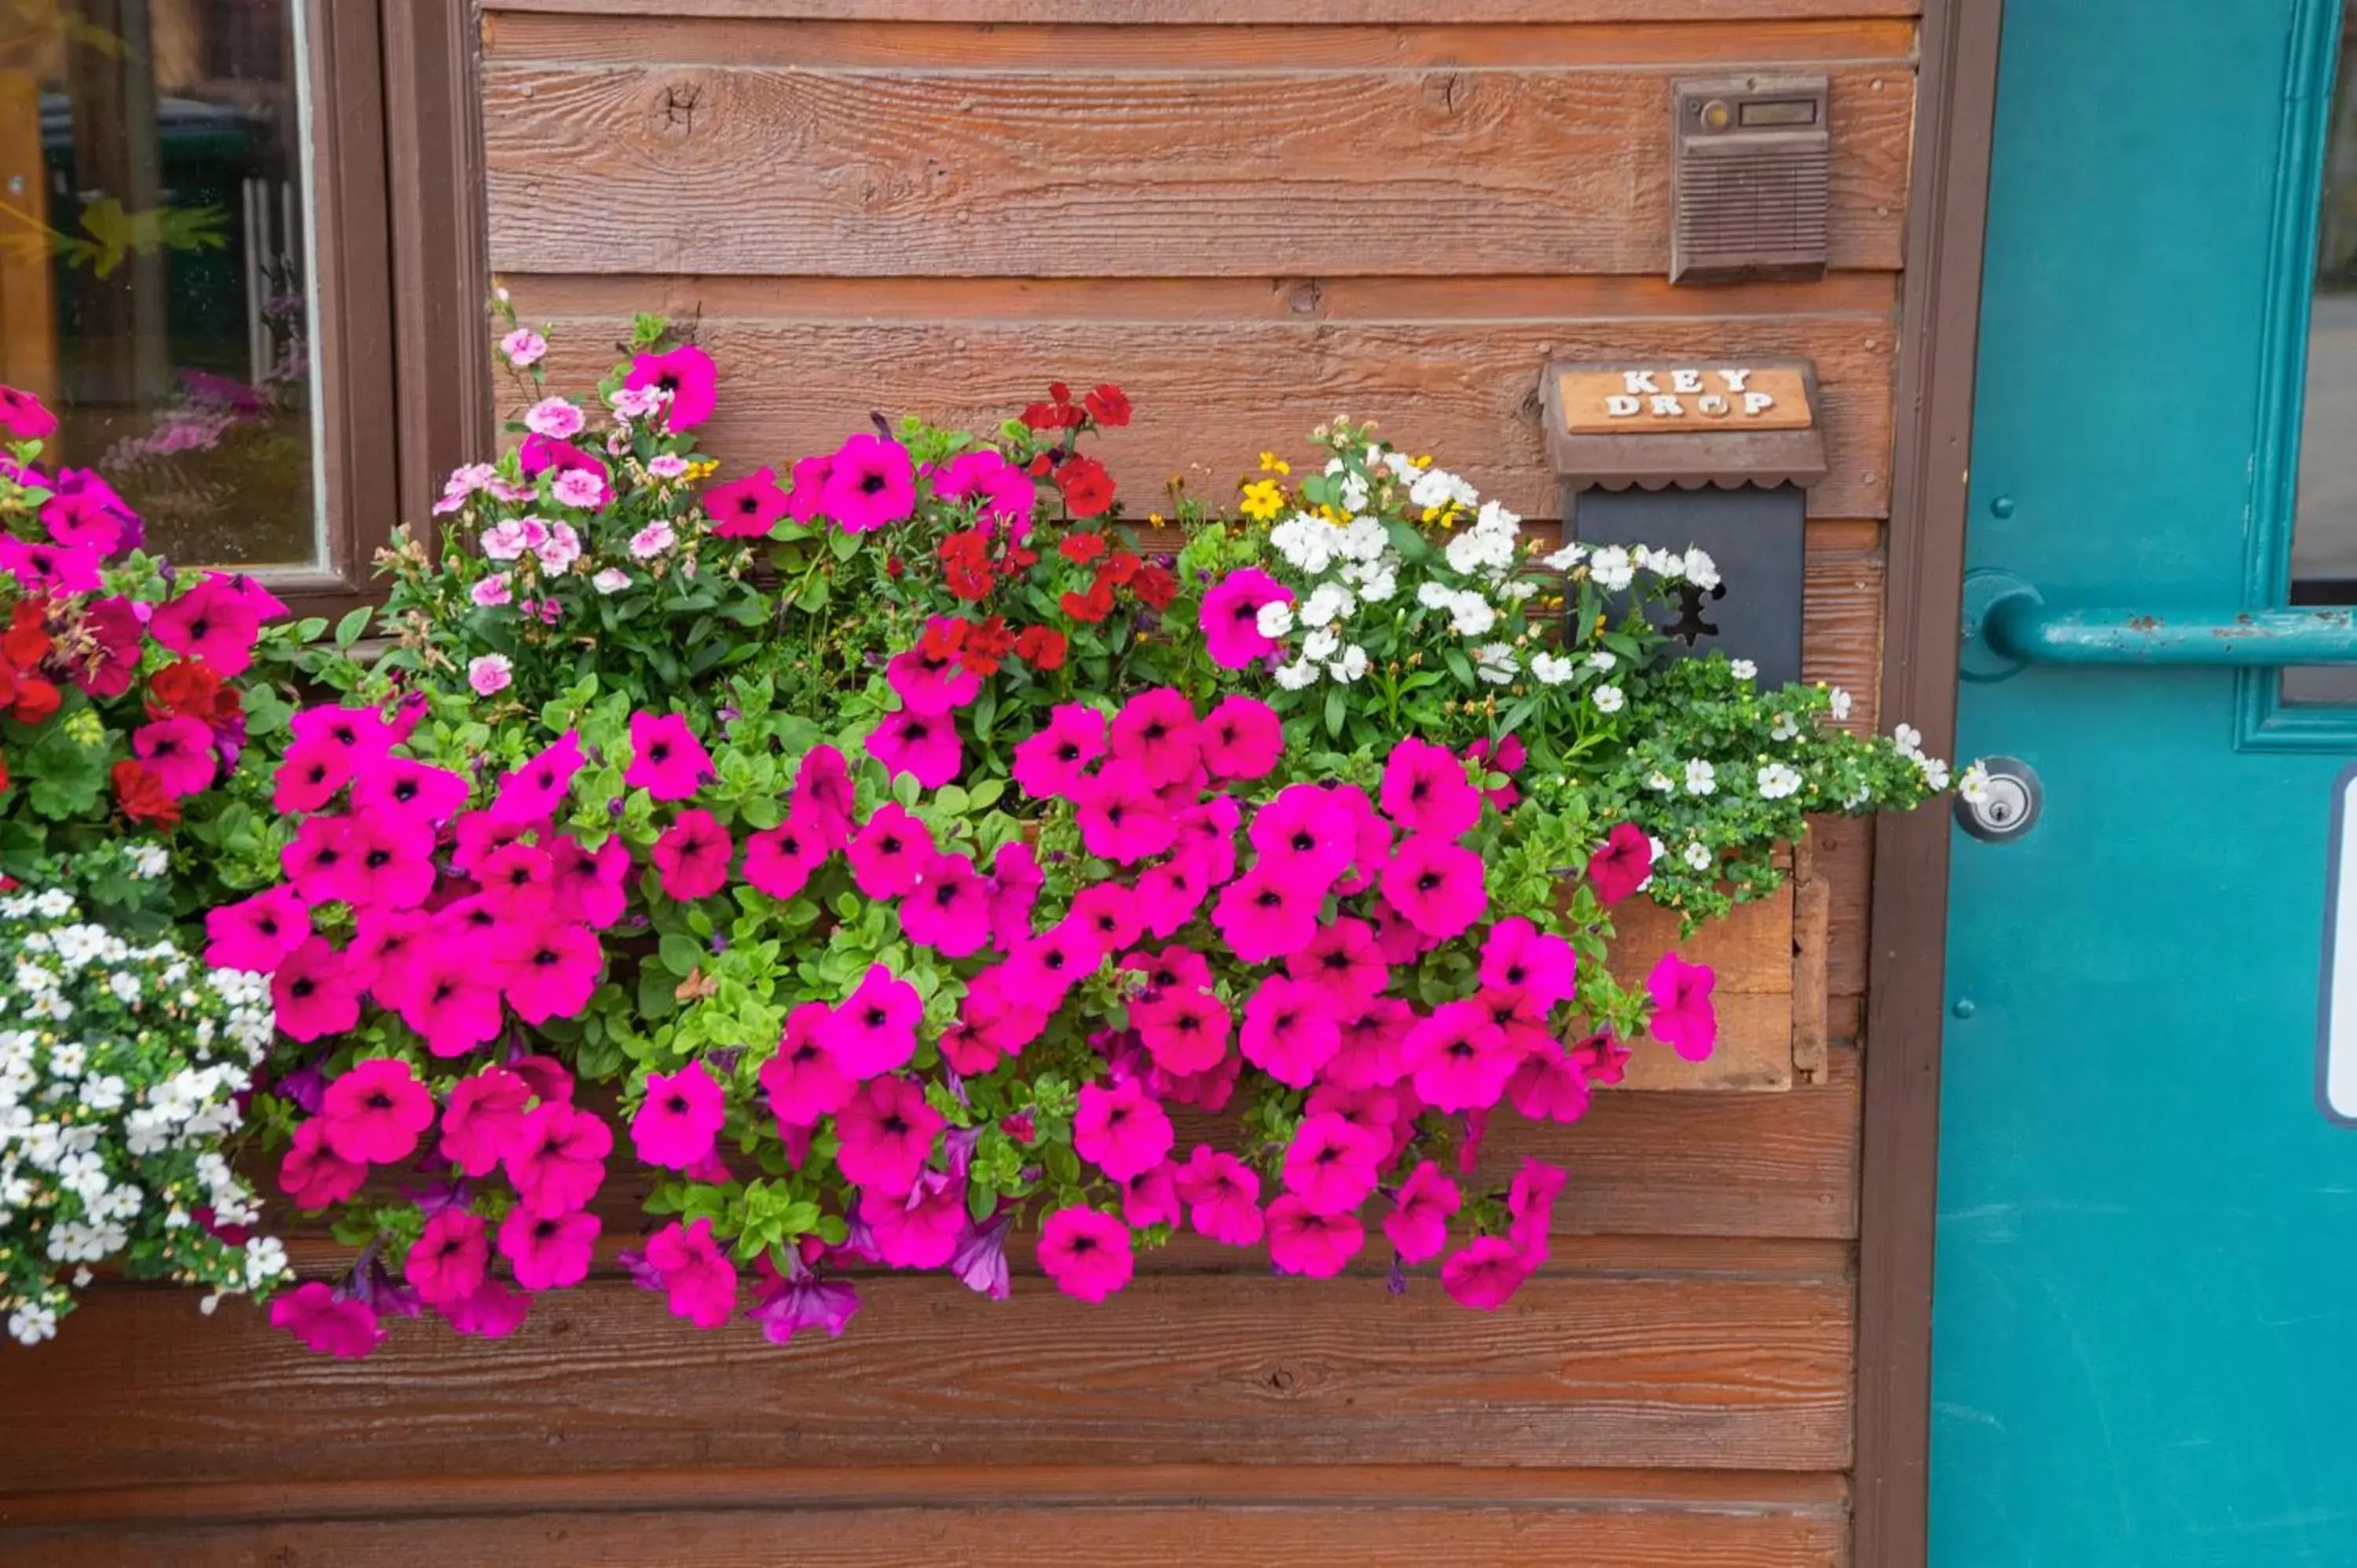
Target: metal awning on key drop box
[1711, 453]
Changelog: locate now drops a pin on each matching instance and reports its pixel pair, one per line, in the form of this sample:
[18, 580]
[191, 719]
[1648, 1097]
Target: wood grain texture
[1231, 12]
[1381, 1534]
[1842, 628]
[1750, 952]
[1212, 395]
[1845, 858]
[1578, 1370]
[938, 43]
[757, 169]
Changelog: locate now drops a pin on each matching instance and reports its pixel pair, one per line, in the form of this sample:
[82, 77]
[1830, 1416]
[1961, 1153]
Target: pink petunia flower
[1039, 973]
[549, 971]
[887, 1133]
[212, 621]
[484, 1120]
[892, 853]
[57, 569]
[1305, 833]
[745, 508]
[923, 746]
[1015, 884]
[698, 1280]
[388, 859]
[1290, 1030]
[1222, 1196]
[1484, 1273]
[1345, 959]
[1374, 1049]
[84, 512]
[376, 1112]
[401, 787]
[259, 933]
[1122, 815]
[870, 481]
[363, 732]
[1054, 763]
[822, 796]
[517, 879]
[693, 857]
[1168, 894]
[493, 1312]
[317, 992]
[1205, 836]
[681, 1117]
[666, 760]
[1462, 1059]
[1155, 732]
[591, 884]
[1623, 865]
[1086, 1252]
[804, 1083]
[310, 775]
[1683, 1017]
[1185, 1030]
[803, 1301]
[1436, 885]
[556, 1158]
[1151, 1197]
[1302, 1241]
[1418, 1224]
[1267, 914]
[874, 1028]
[538, 790]
[686, 376]
[1333, 1165]
[327, 1323]
[180, 751]
[452, 999]
[929, 681]
[1120, 1129]
[920, 1231]
[24, 417]
[781, 861]
[1519, 960]
[993, 1022]
[313, 1174]
[1241, 739]
[1002, 493]
[548, 1250]
[447, 1263]
[1426, 790]
[950, 910]
[1507, 756]
[1230, 618]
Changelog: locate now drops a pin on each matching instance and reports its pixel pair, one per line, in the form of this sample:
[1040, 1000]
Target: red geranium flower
[1091, 606]
[185, 688]
[1119, 567]
[1040, 647]
[984, 645]
[27, 641]
[1059, 412]
[1156, 587]
[1088, 488]
[141, 795]
[965, 562]
[35, 700]
[1082, 548]
[1108, 406]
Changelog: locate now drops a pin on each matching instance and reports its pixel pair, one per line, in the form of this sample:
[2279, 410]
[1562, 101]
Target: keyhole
[1690, 628]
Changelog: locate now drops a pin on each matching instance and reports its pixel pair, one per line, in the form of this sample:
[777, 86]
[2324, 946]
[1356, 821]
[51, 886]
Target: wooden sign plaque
[1688, 399]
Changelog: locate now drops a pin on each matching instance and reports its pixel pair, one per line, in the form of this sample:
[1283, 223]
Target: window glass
[154, 285]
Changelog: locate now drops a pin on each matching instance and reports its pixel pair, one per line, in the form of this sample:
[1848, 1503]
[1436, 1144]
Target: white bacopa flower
[1698, 855]
[1909, 740]
[1935, 773]
[1296, 676]
[612, 580]
[1744, 669]
[1785, 727]
[1608, 699]
[1550, 670]
[149, 861]
[1841, 703]
[32, 1323]
[1702, 778]
[1657, 780]
[1275, 620]
[126, 986]
[1776, 781]
[67, 1060]
[1611, 569]
[1973, 784]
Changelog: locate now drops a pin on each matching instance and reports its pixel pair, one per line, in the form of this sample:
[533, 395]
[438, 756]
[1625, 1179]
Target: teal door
[2145, 1316]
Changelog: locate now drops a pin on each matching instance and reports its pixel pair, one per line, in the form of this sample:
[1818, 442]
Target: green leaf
[355, 622]
[1338, 708]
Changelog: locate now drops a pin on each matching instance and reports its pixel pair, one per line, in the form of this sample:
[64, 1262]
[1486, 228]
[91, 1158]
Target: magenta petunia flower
[1374, 1050]
[1333, 1165]
[697, 1277]
[1015, 884]
[452, 998]
[1151, 1197]
[1530, 1208]
[313, 1174]
[1302, 1241]
[24, 417]
[1426, 790]
[1683, 1017]
[1345, 959]
[1518, 959]
[401, 787]
[892, 853]
[1185, 1030]
[949, 911]
[1507, 756]
[1230, 618]
[549, 971]
[448, 1262]
[212, 621]
[51, 568]
[479, 835]
[363, 732]
[316, 991]
[315, 860]
[923, 746]
[920, 1231]
[518, 880]
[801, 1081]
[116, 634]
[590, 885]
[999, 1017]
[681, 1117]
[1462, 1059]
[781, 861]
[979, 1260]
[803, 1301]
[1548, 1086]
[929, 682]
[1205, 836]
[1484, 1273]
[1054, 763]
[1168, 894]
[84, 513]
[1222, 1196]
[388, 859]
[1418, 1224]
[822, 798]
[693, 857]
[1290, 1030]
[556, 1158]
[1306, 833]
[1267, 914]
[493, 1312]
[1110, 912]
[1436, 885]
[887, 1133]
[1240, 738]
[327, 1323]
[1623, 865]
[807, 488]
[484, 1120]
[1380, 1116]
[1122, 815]
[548, 1250]
[870, 481]
[745, 508]
[874, 1028]
[1155, 732]
[257, 934]
[1002, 493]
[538, 790]
[1040, 971]
[1086, 1252]
[376, 1112]
[687, 378]
[1120, 1128]
[666, 760]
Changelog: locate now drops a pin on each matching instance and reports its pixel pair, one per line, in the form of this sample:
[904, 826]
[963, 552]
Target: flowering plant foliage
[121, 1069]
[930, 905]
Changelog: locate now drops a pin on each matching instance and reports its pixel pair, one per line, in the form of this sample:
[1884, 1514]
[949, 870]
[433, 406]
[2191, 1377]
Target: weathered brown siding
[1252, 214]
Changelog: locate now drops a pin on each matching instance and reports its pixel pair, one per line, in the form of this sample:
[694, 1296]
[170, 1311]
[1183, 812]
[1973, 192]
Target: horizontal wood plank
[1211, 396]
[1380, 1534]
[937, 44]
[1845, 852]
[1233, 11]
[1578, 1370]
[1842, 628]
[754, 170]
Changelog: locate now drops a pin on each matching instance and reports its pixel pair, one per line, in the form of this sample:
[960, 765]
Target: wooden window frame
[400, 276]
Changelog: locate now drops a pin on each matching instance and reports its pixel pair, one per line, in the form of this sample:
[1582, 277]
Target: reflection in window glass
[2324, 526]
[153, 288]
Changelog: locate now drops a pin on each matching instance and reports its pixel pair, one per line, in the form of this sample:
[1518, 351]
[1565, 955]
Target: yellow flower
[1263, 499]
[1270, 463]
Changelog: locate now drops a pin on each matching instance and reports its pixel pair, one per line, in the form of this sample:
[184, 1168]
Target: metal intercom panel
[1751, 176]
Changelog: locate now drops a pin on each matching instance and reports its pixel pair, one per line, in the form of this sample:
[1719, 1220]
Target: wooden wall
[1252, 214]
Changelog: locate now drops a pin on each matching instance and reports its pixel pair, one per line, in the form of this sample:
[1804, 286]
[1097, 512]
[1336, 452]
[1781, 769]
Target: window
[239, 240]
[2324, 518]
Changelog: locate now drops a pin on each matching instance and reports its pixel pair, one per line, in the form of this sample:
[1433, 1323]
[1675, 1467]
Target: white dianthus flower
[1470, 615]
[1550, 670]
[1320, 645]
[1495, 663]
[1611, 569]
[1296, 675]
[1350, 666]
[1275, 620]
[1609, 699]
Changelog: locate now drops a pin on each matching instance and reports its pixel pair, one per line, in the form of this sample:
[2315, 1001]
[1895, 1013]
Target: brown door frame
[1938, 343]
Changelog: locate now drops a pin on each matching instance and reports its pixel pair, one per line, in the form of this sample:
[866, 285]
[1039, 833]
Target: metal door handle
[2007, 624]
